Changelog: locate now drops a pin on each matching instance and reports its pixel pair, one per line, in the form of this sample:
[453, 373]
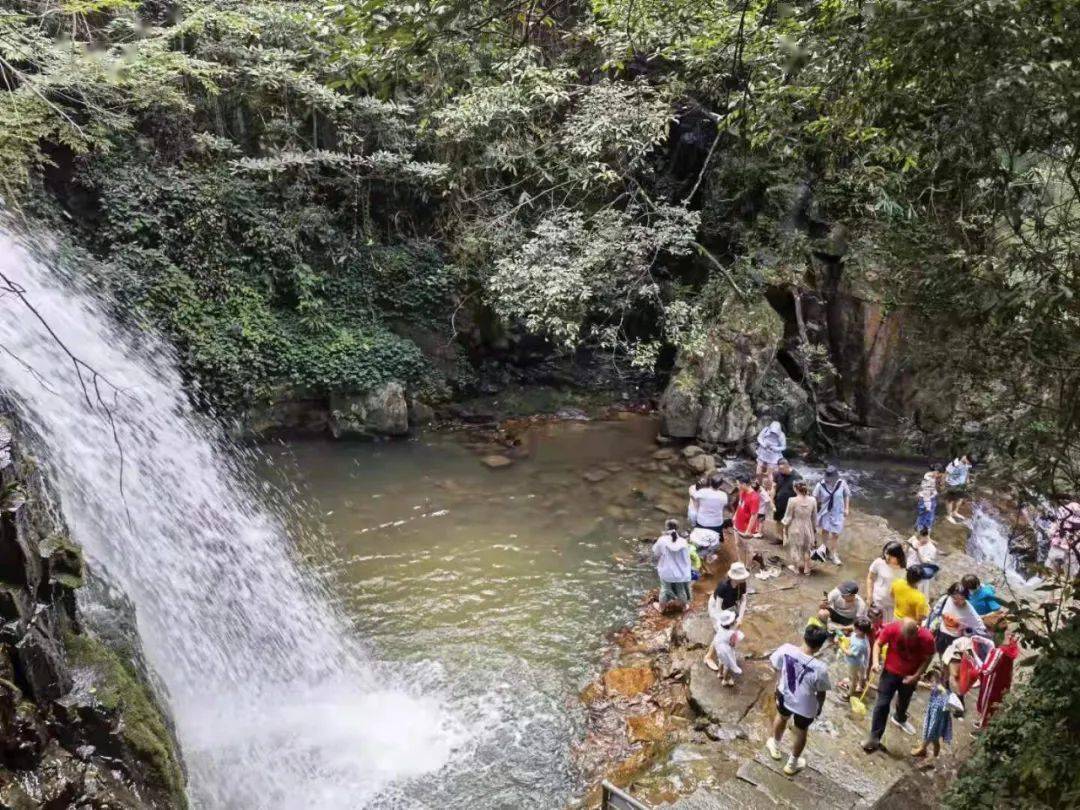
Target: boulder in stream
[383, 411]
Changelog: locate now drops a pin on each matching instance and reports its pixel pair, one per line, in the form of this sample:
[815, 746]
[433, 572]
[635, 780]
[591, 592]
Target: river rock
[709, 395]
[664, 454]
[382, 411]
[420, 413]
[697, 630]
[647, 727]
[722, 704]
[692, 450]
[701, 464]
[495, 461]
[596, 475]
[628, 681]
[726, 732]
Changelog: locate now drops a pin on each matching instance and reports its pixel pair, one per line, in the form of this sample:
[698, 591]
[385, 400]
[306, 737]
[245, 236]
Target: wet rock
[698, 630]
[420, 413]
[726, 732]
[592, 693]
[596, 475]
[692, 450]
[647, 727]
[701, 464]
[664, 454]
[709, 395]
[380, 412]
[40, 660]
[22, 729]
[495, 462]
[572, 414]
[722, 704]
[628, 681]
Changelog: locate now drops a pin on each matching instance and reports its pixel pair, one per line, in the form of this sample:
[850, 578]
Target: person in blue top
[956, 482]
[983, 598]
[833, 497]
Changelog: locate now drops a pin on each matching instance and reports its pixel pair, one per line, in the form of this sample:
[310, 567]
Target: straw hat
[726, 618]
[738, 572]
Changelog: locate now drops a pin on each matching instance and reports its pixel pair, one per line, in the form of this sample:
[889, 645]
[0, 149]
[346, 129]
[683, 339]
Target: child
[937, 725]
[856, 649]
[925, 554]
[695, 564]
[765, 508]
[727, 636]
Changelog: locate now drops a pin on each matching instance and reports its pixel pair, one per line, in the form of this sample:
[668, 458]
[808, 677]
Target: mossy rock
[143, 727]
[65, 560]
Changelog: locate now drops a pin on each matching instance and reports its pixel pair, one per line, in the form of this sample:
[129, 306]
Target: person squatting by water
[800, 694]
[833, 496]
[671, 551]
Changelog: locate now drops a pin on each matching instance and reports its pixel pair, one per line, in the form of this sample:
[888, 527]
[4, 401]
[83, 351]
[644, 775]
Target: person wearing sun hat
[723, 646]
[729, 596]
[833, 496]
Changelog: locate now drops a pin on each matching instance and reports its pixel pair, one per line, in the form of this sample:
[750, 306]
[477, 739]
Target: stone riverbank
[661, 726]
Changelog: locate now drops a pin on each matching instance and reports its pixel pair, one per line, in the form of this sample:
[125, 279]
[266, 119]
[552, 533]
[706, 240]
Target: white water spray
[275, 706]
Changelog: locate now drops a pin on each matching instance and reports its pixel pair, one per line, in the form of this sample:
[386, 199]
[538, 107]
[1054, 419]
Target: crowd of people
[901, 629]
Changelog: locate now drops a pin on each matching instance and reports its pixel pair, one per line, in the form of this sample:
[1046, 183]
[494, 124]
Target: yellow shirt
[908, 602]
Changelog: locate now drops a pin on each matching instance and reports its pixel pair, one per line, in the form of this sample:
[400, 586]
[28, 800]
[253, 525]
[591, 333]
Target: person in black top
[784, 488]
[730, 594]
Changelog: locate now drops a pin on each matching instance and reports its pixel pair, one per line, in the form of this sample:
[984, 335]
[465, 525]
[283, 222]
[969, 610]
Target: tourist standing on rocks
[879, 579]
[800, 529]
[844, 603]
[833, 496]
[926, 506]
[783, 488]
[910, 649]
[800, 693]
[983, 598]
[709, 503]
[746, 519]
[730, 594]
[672, 554]
[956, 617]
[771, 443]
[956, 483]
[691, 508]
[723, 647]
[765, 505]
[908, 601]
[924, 552]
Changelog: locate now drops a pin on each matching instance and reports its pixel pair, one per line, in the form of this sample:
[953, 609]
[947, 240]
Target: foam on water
[275, 703]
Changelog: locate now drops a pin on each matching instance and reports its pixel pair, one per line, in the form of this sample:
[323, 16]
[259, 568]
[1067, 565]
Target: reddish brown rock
[629, 681]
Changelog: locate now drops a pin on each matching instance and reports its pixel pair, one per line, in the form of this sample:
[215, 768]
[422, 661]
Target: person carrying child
[727, 636]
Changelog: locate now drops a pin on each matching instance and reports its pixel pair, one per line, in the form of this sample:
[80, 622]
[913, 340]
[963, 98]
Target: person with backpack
[833, 496]
[800, 694]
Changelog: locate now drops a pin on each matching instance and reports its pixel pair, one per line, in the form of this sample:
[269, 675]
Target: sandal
[712, 665]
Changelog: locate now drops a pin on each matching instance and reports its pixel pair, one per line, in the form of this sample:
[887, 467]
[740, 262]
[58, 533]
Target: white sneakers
[794, 765]
[774, 749]
[905, 726]
[835, 559]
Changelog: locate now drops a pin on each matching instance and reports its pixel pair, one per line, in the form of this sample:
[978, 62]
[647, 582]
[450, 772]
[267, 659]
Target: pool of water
[491, 589]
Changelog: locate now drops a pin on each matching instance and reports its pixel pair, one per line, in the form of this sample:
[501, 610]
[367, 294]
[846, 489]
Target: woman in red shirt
[746, 519]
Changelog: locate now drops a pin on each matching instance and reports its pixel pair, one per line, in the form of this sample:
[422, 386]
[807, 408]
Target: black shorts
[956, 493]
[800, 721]
[843, 621]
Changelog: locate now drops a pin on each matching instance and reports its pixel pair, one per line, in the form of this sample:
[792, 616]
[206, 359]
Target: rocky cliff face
[80, 722]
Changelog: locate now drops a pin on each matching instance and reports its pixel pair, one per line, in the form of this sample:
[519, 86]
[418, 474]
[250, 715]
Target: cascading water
[276, 707]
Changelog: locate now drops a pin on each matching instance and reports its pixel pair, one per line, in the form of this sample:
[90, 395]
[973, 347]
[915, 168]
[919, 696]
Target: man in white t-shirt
[800, 692]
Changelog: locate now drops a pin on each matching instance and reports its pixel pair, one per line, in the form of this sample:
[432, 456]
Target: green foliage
[1027, 756]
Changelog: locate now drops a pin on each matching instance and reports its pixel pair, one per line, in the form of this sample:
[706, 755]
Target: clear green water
[492, 589]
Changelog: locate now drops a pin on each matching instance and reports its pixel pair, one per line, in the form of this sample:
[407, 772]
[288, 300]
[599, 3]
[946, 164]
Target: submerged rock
[702, 463]
[494, 462]
[596, 475]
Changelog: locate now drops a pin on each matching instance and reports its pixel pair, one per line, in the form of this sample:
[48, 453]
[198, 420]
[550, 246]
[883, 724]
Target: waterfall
[276, 705]
[989, 541]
